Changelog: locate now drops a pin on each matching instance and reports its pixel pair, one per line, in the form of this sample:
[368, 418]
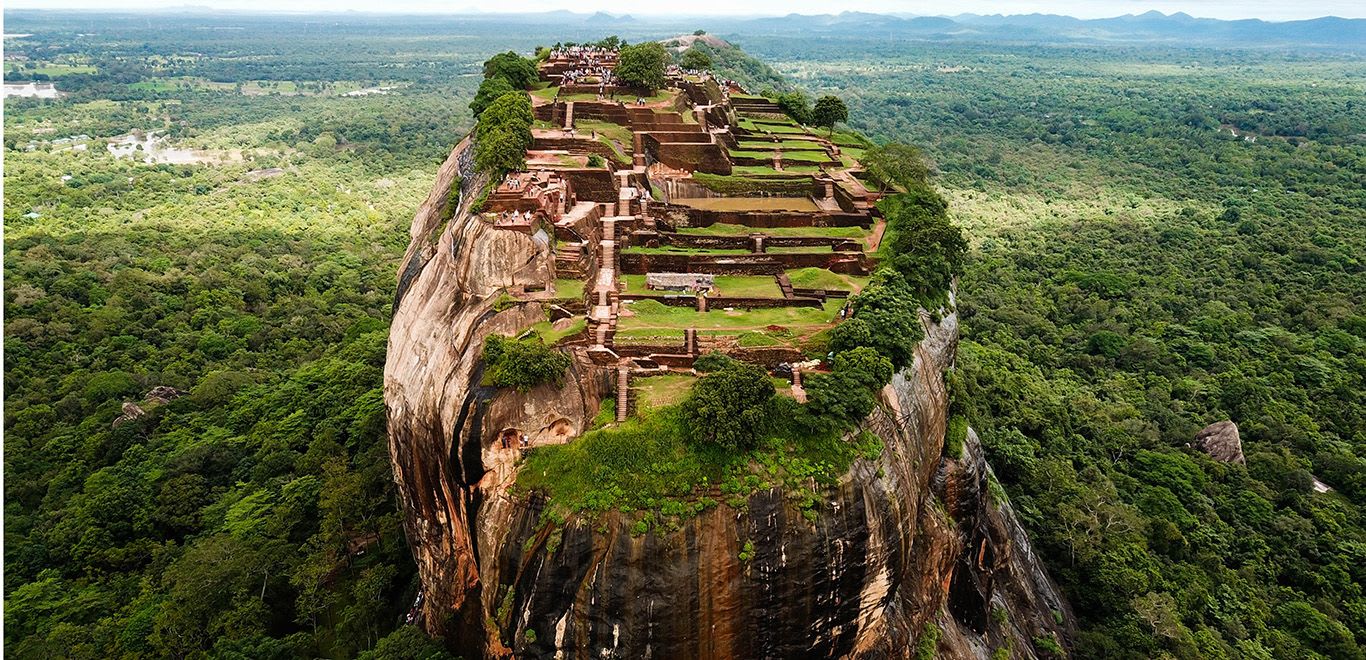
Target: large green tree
[694, 58]
[896, 165]
[520, 72]
[489, 91]
[926, 247]
[642, 65]
[729, 407]
[828, 111]
[504, 134]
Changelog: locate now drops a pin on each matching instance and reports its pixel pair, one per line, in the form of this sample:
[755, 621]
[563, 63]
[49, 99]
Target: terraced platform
[698, 178]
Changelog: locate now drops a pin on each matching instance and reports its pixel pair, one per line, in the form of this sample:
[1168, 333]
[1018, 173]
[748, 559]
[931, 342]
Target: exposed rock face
[163, 394]
[159, 395]
[1221, 441]
[903, 542]
[131, 411]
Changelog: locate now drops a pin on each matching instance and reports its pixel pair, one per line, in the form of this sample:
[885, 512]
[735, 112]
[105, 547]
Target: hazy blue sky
[1266, 9]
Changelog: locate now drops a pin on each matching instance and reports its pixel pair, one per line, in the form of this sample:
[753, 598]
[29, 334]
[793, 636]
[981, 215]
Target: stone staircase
[569, 261]
[623, 392]
[784, 283]
[602, 315]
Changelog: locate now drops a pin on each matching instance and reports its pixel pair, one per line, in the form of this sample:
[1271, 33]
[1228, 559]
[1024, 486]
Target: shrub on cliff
[522, 364]
[849, 392]
[884, 320]
[504, 134]
[642, 65]
[489, 91]
[729, 407]
[926, 247]
[518, 71]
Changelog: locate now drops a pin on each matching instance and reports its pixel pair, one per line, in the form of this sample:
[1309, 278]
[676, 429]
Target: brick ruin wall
[707, 157]
[639, 263]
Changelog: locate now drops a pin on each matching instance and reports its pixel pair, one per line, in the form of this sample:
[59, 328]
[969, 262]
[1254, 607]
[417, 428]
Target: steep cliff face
[906, 546]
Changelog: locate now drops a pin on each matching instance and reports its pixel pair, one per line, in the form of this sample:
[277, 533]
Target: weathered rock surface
[131, 411]
[1221, 441]
[905, 541]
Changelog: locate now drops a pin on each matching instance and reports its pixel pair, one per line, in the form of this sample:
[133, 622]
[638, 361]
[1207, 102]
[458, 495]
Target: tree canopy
[643, 65]
[896, 165]
[729, 407]
[522, 364]
[518, 71]
[695, 59]
[796, 105]
[828, 111]
[489, 91]
[503, 133]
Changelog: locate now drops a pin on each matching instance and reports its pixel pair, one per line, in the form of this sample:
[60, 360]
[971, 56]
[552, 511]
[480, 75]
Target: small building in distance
[689, 282]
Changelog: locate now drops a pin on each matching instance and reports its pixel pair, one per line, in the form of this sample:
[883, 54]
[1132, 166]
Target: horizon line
[471, 12]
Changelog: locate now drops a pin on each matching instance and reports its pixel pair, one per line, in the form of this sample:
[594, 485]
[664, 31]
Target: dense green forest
[1161, 238]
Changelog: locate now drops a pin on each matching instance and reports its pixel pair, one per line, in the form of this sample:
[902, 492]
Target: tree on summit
[489, 91]
[829, 110]
[642, 65]
[519, 71]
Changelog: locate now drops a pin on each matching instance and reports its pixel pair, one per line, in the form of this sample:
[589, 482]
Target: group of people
[602, 73]
[514, 218]
[591, 53]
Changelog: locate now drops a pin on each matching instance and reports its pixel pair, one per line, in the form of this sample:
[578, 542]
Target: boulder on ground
[131, 411]
[163, 394]
[1221, 441]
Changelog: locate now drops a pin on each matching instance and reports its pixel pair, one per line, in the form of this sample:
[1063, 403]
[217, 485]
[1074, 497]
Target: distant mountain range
[1150, 27]
[1179, 28]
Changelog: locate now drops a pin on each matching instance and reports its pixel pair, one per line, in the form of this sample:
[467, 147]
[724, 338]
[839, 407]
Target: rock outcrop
[1221, 441]
[157, 396]
[903, 544]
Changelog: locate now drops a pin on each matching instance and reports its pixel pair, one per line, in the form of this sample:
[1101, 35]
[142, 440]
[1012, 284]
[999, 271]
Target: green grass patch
[550, 335]
[754, 339]
[850, 139]
[806, 157]
[649, 336]
[726, 229]
[748, 286]
[653, 314]
[635, 285]
[821, 278]
[737, 185]
[766, 170]
[786, 145]
[648, 464]
[752, 154]
[661, 391]
[59, 70]
[672, 249]
[607, 129]
[569, 289]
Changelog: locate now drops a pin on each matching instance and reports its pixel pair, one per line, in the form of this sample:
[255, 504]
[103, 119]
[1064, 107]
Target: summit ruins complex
[701, 197]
